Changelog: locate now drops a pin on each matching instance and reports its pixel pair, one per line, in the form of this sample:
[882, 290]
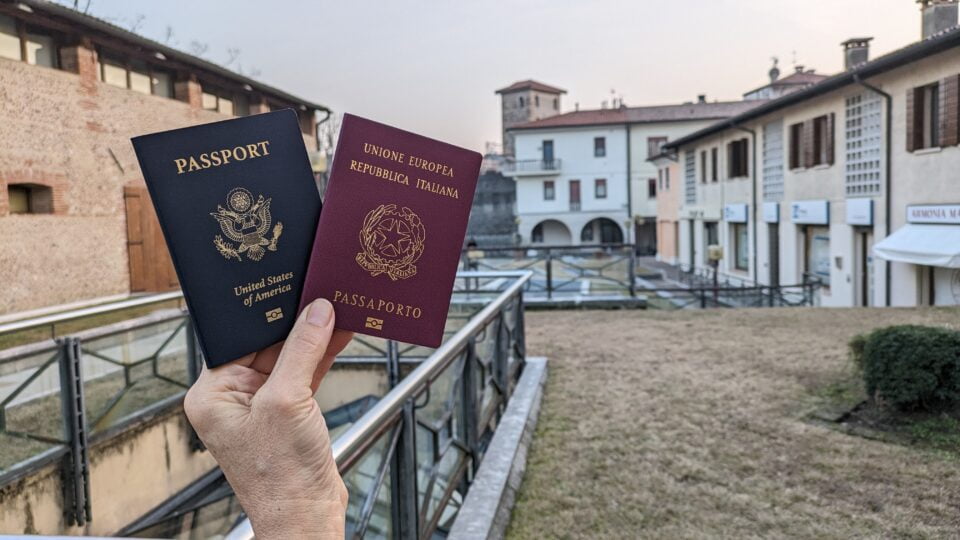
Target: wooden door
[151, 269]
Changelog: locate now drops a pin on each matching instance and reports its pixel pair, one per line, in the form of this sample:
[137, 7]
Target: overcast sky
[433, 66]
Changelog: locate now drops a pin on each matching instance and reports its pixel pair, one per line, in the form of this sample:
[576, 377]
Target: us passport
[238, 206]
[389, 239]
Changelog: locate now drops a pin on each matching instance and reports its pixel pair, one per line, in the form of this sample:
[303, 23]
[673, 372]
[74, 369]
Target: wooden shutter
[806, 144]
[745, 156]
[151, 269]
[914, 119]
[949, 121]
[829, 139]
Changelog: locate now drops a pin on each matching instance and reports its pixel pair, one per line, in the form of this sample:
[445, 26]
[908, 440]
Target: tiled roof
[640, 115]
[100, 25]
[937, 43]
[806, 77]
[531, 84]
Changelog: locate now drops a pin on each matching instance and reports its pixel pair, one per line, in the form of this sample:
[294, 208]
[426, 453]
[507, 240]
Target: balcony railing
[533, 166]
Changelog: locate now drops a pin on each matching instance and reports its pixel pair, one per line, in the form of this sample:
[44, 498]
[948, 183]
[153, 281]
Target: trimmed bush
[911, 367]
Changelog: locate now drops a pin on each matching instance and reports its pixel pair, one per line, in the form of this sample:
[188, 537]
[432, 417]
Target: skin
[258, 418]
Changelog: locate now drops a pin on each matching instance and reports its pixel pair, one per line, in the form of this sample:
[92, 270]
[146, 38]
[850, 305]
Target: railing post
[549, 274]
[393, 363]
[632, 270]
[76, 471]
[194, 368]
[469, 388]
[406, 524]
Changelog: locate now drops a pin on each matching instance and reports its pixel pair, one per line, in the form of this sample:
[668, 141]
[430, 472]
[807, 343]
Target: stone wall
[71, 132]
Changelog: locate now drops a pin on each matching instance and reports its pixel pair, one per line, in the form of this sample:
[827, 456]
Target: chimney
[938, 15]
[856, 51]
[798, 68]
[701, 98]
[774, 71]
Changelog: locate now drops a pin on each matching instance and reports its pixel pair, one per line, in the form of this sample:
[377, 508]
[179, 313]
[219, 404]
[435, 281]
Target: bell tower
[526, 101]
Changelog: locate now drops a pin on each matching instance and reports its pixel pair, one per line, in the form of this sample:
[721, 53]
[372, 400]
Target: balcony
[532, 167]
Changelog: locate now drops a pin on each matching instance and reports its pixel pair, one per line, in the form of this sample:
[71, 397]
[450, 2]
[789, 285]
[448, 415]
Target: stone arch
[551, 232]
[601, 231]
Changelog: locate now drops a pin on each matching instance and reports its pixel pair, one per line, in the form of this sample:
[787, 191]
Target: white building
[572, 171]
[850, 181]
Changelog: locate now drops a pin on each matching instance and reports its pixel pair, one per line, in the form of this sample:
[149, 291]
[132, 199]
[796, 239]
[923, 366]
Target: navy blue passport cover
[238, 206]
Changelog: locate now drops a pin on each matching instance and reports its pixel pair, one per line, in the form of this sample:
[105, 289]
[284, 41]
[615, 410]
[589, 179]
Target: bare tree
[232, 54]
[137, 22]
[198, 48]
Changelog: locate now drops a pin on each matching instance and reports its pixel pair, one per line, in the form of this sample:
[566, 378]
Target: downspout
[889, 168]
[753, 199]
[630, 226]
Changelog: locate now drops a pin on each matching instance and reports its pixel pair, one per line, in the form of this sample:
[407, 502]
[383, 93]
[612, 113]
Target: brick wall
[68, 131]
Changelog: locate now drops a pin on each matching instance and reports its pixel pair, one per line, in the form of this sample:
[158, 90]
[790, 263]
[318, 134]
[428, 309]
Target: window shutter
[949, 121]
[831, 122]
[806, 149]
[745, 156]
[913, 116]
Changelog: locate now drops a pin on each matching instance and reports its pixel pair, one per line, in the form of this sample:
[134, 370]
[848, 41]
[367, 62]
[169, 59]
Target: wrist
[300, 518]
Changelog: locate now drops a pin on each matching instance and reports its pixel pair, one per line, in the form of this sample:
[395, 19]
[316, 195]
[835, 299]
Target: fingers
[303, 350]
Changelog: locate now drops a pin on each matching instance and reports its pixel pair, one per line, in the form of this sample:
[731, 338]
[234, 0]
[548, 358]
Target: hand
[258, 418]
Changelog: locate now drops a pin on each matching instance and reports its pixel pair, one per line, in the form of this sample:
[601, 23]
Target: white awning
[927, 245]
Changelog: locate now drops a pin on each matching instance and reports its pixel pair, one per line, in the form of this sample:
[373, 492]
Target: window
[923, 117]
[521, 101]
[600, 188]
[703, 167]
[19, 41]
[811, 142]
[864, 136]
[714, 165]
[796, 146]
[652, 188]
[575, 195]
[549, 191]
[135, 75]
[29, 199]
[655, 146]
[218, 100]
[556, 104]
[690, 178]
[740, 246]
[737, 156]
[599, 146]
[536, 101]
[773, 161]
[660, 179]
[666, 178]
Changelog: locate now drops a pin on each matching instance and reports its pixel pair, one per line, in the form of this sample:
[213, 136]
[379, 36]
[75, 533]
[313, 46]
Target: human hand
[258, 418]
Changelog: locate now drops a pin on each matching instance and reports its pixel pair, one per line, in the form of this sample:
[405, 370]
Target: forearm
[297, 519]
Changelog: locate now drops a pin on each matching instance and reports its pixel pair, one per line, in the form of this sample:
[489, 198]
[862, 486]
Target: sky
[432, 66]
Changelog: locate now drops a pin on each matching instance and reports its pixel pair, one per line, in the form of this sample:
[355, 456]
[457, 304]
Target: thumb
[303, 349]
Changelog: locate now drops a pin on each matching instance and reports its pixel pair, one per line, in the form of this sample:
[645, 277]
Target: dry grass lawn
[694, 424]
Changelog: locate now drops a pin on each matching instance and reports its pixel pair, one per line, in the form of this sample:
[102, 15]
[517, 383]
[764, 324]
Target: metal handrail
[352, 444]
[56, 318]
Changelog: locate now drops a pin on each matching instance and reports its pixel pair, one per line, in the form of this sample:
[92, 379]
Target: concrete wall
[71, 132]
[129, 475]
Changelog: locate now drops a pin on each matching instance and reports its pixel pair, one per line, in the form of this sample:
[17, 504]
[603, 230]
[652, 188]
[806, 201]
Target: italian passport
[238, 206]
[389, 239]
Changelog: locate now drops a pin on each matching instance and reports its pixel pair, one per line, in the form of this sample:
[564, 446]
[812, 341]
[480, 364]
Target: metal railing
[563, 271]
[707, 288]
[533, 165]
[409, 460]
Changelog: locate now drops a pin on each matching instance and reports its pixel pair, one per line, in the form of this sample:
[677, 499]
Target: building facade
[74, 214]
[848, 181]
[583, 177]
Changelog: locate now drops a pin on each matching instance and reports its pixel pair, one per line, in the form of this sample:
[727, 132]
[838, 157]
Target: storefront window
[818, 254]
[741, 246]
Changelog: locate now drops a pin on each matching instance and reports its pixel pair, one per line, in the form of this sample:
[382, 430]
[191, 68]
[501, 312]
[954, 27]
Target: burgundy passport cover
[390, 235]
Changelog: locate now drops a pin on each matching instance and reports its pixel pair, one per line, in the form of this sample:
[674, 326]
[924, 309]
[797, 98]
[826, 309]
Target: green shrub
[911, 367]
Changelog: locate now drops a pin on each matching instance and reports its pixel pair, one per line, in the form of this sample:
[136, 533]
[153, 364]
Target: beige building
[75, 219]
[848, 181]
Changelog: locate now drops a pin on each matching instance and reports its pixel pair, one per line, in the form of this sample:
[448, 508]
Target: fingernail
[320, 313]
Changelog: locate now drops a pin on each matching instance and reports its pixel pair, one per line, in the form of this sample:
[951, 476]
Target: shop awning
[927, 245]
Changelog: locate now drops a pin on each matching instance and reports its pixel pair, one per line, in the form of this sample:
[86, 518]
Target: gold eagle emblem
[245, 221]
[392, 241]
